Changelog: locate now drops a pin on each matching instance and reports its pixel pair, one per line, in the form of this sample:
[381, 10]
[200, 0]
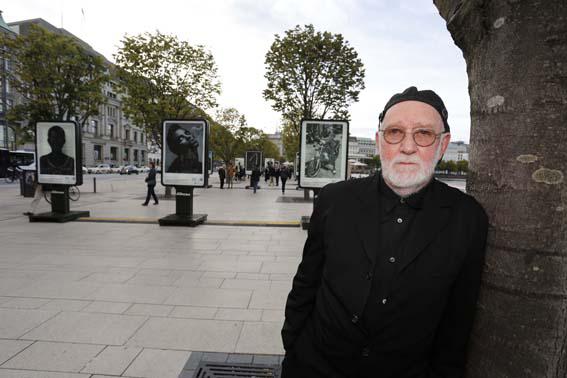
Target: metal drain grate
[228, 370]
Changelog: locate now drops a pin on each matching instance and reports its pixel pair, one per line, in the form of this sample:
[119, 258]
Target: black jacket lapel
[429, 221]
[367, 221]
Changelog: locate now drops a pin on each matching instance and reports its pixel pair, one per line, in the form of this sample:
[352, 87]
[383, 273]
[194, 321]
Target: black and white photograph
[253, 159]
[323, 152]
[56, 152]
[184, 150]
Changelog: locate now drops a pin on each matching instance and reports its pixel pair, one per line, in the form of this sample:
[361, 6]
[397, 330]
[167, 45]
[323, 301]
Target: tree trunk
[516, 55]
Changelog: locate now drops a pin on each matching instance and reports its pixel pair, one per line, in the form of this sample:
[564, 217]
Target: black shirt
[396, 217]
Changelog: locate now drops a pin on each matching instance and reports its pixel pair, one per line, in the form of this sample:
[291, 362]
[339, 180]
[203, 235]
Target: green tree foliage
[311, 75]
[165, 78]
[232, 137]
[462, 166]
[58, 79]
[290, 140]
[451, 166]
[223, 141]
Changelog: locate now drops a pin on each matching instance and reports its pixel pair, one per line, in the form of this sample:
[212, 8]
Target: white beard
[408, 180]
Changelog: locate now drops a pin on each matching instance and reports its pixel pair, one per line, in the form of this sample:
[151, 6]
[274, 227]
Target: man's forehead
[412, 125]
[413, 114]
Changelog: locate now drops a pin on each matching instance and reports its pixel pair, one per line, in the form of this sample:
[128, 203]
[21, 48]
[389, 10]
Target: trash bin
[28, 182]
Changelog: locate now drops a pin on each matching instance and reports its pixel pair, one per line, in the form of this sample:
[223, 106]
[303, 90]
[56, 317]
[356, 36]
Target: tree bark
[516, 55]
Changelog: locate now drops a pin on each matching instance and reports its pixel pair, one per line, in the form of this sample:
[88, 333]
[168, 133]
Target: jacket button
[365, 352]
[368, 276]
[354, 319]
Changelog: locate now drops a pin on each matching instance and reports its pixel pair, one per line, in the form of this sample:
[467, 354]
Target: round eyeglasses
[421, 137]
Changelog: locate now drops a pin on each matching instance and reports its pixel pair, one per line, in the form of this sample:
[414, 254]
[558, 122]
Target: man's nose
[408, 145]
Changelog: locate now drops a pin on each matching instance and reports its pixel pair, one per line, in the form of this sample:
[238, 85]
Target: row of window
[98, 155]
[92, 128]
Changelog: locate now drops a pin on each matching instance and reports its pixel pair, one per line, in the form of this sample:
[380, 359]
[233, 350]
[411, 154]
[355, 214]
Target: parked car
[143, 169]
[128, 170]
[85, 170]
[116, 169]
[102, 168]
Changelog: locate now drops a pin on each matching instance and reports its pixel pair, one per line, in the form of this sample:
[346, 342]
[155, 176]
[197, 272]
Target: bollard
[94, 184]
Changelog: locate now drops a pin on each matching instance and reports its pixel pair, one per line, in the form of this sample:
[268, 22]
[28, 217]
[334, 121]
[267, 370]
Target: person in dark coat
[389, 279]
[277, 174]
[255, 177]
[151, 182]
[284, 175]
[222, 175]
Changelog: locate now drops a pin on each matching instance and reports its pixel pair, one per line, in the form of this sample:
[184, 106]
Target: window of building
[126, 154]
[97, 152]
[127, 135]
[135, 137]
[113, 153]
[111, 130]
[94, 127]
[142, 157]
[136, 155]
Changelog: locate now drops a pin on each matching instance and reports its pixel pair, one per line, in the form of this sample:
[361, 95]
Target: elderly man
[390, 274]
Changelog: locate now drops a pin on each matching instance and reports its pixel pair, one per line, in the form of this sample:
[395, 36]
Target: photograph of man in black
[186, 146]
[56, 162]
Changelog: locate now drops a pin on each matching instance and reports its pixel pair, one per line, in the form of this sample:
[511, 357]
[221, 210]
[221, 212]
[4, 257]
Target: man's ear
[446, 138]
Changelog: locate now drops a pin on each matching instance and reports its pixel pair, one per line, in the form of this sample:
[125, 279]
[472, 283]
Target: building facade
[360, 148]
[108, 137]
[7, 135]
[456, 151]
[276, 138]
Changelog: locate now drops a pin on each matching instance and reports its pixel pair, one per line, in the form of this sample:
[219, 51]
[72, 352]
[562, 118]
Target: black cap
[413, 94]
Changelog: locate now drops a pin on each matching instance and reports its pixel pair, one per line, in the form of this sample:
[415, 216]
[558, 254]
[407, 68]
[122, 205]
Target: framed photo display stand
[185, 149]
[57, 159]
[252, 159]
[323, 154]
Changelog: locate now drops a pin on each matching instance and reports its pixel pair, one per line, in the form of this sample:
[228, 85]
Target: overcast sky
[400, 42]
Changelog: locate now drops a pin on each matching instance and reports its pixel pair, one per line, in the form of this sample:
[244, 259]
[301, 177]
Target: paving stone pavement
[135, 300]
[94, 300]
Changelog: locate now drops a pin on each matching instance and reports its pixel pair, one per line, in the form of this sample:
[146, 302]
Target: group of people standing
[271, 172]
[230, 173]
[276, 172]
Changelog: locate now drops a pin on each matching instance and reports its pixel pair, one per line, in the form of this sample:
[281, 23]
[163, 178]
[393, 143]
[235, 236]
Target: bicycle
[73, 194]
[326, 153]
[13, 174]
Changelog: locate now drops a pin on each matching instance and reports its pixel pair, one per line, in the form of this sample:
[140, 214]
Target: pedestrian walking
[284, 175]
[230, 175]
[277, 174]
[266, 174]
[255, 177]
[222, 175]
[272, 173]
[36, 198]
[151, 182]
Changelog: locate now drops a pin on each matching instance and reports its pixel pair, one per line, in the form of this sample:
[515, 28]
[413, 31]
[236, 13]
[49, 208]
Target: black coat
[424, 329]
[151, 178]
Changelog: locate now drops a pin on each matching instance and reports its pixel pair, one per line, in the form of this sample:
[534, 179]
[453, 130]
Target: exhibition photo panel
[323, 152]
[253, 159]
[56, 152]
[184, 151]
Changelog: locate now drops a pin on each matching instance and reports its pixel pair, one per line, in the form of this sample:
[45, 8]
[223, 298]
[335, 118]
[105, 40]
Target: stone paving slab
[63, 357]
[9, 348]
[113, 360]
[188, 334]
[79, 327]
